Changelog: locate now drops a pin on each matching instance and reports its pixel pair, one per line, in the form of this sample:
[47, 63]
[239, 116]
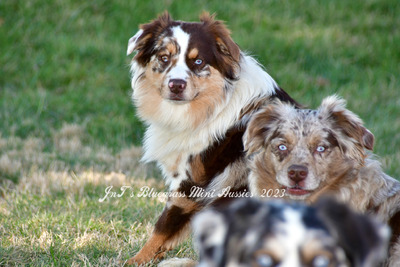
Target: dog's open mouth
[297, 191]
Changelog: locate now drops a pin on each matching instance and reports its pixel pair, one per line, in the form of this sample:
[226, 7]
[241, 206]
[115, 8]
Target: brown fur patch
[150, 35]
[217, 157]
[226, 46]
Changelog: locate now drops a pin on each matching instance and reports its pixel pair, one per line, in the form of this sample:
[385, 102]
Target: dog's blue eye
[320, 149]
[321, 261]
[265, 261]
[282, 147]
[198, 61]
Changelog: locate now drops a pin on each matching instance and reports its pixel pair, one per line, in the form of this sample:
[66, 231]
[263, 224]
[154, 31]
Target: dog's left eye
[164, 58]
[320, 149]
[198, 61]
[282, 147]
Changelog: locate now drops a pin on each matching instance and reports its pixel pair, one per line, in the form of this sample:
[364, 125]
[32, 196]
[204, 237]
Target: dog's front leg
[172, 227]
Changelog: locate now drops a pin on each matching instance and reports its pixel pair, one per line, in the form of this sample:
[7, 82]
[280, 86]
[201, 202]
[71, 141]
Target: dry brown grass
[49, 205]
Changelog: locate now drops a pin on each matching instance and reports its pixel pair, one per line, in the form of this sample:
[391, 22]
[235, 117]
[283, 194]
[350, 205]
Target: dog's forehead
[297, 216]
[308, 116]
[190, 39]
[304, 121]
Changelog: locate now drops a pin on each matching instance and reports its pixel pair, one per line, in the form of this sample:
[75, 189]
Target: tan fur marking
[272, 249]
[174, 168]
[187, 205]
[159, 243]
[312, 249]
[150, 98]
[193, 53]
[211, 93]
[171, 48]
[263, 168]
[198, 171]
[151, 250]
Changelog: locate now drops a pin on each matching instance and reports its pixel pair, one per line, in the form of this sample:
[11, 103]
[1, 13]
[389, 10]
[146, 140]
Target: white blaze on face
[294, 230]
[180, 70]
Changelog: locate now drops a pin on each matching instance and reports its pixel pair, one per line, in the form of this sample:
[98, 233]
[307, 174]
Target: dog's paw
[178, 262]
[137, 261]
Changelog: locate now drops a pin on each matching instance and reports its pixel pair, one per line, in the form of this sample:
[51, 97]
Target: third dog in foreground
[287, 234]
[310, 153]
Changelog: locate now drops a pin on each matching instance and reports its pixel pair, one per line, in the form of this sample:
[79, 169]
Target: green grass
[68, 128]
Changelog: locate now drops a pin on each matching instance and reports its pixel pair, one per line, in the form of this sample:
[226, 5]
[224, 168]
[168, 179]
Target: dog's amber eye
[164, 58]
[320, 149]
[282, 147]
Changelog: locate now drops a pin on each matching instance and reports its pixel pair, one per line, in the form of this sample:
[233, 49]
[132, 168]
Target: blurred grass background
[68, 129]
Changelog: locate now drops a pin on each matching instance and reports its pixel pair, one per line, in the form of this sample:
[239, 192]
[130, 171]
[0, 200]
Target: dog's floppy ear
[144, 40]
[261, 128]
[228, 50]
[364, 240]
[348, 128]
[210, 230]
[133, 42]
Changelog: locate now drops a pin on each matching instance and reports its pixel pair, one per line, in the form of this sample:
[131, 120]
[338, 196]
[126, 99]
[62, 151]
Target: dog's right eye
[282, 147]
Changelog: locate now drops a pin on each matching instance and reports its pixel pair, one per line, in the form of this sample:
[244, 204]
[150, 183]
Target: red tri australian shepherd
[195, 90]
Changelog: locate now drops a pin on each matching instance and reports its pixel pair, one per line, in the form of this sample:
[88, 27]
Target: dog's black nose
[177, 86]
[297, 173]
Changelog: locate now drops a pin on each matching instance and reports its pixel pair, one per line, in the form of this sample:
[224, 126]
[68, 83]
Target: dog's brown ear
[348, 128]
[228, 50]
[143, 41]
[260, 128]
[350, 229]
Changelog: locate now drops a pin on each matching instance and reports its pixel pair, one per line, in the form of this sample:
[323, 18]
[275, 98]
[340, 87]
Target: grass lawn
[68, 128]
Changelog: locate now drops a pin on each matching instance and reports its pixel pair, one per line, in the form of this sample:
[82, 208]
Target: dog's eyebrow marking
[172, 48]
[193, 53]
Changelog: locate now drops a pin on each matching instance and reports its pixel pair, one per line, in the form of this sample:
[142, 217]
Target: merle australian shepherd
[312, 153]
[195, 90]
[287, 234]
